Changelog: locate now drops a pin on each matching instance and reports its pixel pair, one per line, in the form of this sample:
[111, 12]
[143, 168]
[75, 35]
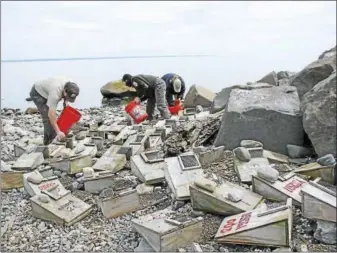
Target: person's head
[127, 79]
[176, 84]
[71, 91]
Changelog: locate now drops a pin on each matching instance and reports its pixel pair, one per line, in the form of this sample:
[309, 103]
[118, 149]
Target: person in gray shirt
[46, 94]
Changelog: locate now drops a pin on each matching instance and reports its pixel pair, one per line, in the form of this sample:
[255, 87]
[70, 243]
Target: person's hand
[137, 100]
[60, 135]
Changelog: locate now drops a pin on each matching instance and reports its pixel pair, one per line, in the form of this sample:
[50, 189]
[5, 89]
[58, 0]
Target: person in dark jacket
[152, 89]
[175, 87]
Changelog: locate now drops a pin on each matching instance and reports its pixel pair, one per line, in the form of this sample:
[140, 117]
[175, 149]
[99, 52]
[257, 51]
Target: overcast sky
[286, 30]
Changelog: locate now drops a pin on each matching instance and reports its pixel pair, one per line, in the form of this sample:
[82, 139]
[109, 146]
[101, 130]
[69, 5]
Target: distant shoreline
[102, 58]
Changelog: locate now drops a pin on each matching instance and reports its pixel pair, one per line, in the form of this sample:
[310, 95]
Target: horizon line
[100, 58]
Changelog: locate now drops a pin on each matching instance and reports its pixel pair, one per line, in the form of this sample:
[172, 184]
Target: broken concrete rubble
[326, 232]
[198, 95]
[258, 114]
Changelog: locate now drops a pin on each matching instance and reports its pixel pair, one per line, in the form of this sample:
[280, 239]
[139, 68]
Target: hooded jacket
[146, 84]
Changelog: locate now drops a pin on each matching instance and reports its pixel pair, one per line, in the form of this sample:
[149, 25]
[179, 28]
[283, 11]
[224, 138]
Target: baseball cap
[177, 85]
[72, 91]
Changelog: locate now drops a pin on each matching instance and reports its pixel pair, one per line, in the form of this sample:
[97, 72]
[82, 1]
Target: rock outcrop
[117, 89]
[328, 53]
[198, 95]
[314, 73]
[319, 116]
[270, 78]
[260, 113]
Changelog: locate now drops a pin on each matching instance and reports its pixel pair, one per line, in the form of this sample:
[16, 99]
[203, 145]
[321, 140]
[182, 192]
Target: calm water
[214, 73]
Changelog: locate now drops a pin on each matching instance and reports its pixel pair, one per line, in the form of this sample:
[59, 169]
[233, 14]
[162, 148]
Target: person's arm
[182, 92]
[52, 102]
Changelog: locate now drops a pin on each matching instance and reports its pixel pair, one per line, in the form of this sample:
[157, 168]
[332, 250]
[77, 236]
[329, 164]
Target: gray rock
[270, 78]
[57, 173]
[313, 74]
[283, 82]
[235, 196]
[319, 116]
[268, 173]
[196, 214]
[221, 99]
[5, 167]
[270, 115]
[44, 198]
[41, 227]
[198, 109]
[295, 151]
[242, 154]
[328, 53]
[178, 204]
[250, 144]
[117, 89]
[108, 192]
[79, 148]
[326, 232]
[76, 185]
[326, 160]
[199, 149]
[284, 75]
[35, 178]
[198, 95]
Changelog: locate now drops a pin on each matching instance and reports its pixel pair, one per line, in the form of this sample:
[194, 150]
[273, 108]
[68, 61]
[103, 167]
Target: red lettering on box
[228, 226]
[293, 185]
[244, 220]
[46, 186]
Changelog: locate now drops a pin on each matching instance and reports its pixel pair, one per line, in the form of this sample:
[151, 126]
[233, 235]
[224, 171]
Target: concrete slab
[258, 227]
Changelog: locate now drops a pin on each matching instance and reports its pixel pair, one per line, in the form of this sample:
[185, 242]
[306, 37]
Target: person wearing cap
[175, 87]
[46, 94]
[152, 89]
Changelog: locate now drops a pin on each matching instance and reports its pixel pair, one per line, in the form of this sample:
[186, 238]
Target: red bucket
[68, 117]
[136, 112]
[178, 106]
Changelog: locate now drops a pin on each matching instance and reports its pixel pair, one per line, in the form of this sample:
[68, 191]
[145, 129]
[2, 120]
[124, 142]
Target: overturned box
[50, 184]
[315, 170]
[148, 167]
[318, 202]
[11, 180]
[206, 196]
[258, 227]
[28, 161]
[180, 172]
[63, 210]
[168, 234]
[73, 164]
[97, 182]
[112, 163]
[124, 201]
[287, 186]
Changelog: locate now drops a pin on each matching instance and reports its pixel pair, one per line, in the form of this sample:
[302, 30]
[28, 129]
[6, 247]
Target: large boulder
[314, 73]
[270, 78]
[198, 95]
[221, 99]
[328, 53]
[270, 115]
[319, 116]
[283, 77]
[117, 89]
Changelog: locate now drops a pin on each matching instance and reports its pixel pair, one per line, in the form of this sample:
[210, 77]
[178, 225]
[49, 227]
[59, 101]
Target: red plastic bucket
[68, 117]
[136, 112]
[174, 110]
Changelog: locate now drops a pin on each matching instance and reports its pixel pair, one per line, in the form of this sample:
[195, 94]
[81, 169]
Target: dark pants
[159, 99]
[41, 104]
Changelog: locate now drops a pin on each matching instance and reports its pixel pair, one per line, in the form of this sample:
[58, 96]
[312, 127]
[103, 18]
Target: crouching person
[46, 94]
[175, 87]
[152, 89]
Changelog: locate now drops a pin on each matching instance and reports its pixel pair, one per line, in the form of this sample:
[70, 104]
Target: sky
[247, 40]
[93, 28]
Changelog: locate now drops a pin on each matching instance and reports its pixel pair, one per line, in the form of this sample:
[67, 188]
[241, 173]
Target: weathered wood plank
[11, 180]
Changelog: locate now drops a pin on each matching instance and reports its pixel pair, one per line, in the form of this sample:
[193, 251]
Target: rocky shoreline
[197, 132]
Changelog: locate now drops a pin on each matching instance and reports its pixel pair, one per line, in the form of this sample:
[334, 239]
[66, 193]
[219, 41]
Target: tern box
[318, 202]
[315, 170]
[64, 210]
[180, 172]
[258, 227]
[111, 163]
[98, 182]
[73, 164]
[148, 167]
[124, 201]
[287, 186]
[167, 235]
[216, 201]
[29, 161]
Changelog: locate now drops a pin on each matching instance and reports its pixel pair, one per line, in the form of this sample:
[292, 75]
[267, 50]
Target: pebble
[326, 160]
[268, 173]
[242, 154]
